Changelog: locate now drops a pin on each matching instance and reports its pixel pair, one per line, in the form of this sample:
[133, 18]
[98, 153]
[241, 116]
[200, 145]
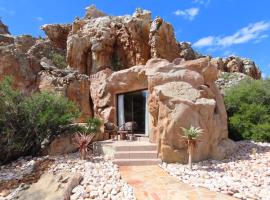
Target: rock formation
[16, 62]
[3, 28]
[107, 55]
[67, 82]
[57, 33]
[227, 80]
[236, 64]
[180, 95]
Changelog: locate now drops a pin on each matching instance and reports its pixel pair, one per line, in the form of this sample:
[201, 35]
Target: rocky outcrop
[66, 82]
[16, 62]
[57, 33]
[227, 80]
[3, 28]
[187, 52]
[180, 96]
[162, 40]
[93, 12]
[96, 43]
[233, 64]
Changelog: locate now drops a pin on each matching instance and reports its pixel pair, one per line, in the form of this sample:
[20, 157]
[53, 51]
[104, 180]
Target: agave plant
[82, 141]
[191, 138]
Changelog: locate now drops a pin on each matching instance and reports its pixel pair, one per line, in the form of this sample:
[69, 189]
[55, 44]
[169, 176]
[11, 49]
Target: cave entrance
[132, 107]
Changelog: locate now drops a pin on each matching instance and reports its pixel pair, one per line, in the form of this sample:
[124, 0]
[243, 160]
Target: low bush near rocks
[26, 121]
[248, 108]
[58, 59]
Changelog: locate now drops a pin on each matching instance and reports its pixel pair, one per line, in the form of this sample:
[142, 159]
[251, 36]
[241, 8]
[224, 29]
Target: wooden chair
[127, 129]
[111, 129]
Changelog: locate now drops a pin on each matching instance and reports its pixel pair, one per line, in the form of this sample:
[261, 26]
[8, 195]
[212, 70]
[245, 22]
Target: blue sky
[216, 27]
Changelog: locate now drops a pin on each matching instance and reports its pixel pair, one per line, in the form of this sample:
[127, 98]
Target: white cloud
[6, 11]
[252, 32]
[40, 19]
[189, 13]
[202, 2]
[206, 41]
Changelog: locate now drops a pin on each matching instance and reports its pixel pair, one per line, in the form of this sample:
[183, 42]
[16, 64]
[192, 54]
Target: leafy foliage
[58, 59]
[248, 107]
[192, 133]
[82, 141]
[93, 125]
[26, 121]
[191, 138]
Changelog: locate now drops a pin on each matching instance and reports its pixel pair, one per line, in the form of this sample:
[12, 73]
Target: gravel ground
[101, 178]
[245, 174]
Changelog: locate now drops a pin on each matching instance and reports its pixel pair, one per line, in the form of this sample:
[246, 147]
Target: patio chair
[111, 129]
[127, 129]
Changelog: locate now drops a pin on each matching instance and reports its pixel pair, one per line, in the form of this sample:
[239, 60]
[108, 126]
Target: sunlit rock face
[3, 28]
[181, 95]
[109, 55]
[98, 41]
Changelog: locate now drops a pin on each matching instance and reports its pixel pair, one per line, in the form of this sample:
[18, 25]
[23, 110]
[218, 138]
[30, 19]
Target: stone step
[136, 162]
[135, 155]
[139, 147]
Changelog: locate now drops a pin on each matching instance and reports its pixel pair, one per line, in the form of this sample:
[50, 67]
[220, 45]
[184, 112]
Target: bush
[58, 59]
[26, 121]
[93, 125]
[248, 107]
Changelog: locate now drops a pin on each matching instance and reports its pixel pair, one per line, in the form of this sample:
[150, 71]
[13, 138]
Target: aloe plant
[191, 138]
[82, 141]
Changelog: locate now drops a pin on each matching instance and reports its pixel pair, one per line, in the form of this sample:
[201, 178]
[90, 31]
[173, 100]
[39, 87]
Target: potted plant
[191, 138]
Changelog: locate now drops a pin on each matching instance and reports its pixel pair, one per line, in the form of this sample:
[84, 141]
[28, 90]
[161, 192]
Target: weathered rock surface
[96, 43]
[237, 64]
[17, 63]
[93, 12]
[57, 33]
[52, 186]
[62, 144]
[187, 52]
[3, 28]
[66, 82]
[180, 95]
[227, 80]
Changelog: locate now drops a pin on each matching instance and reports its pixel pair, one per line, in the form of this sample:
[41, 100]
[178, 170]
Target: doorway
[132, 106]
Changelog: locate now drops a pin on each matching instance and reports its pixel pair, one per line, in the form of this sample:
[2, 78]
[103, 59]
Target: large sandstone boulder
[180, 96]
[51, 187]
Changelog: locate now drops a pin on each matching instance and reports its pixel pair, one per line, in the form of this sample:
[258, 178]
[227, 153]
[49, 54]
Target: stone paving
[153, 183]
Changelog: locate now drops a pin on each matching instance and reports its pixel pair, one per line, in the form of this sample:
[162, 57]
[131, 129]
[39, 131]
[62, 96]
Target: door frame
[147, 110]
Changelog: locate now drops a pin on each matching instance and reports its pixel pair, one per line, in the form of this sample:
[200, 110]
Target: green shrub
[58, 59]
[93, 125]
[26, 121]
[248, 108]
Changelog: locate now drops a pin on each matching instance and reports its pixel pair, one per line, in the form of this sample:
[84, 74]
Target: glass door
[132, 106]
